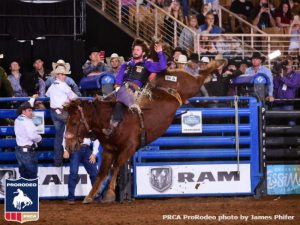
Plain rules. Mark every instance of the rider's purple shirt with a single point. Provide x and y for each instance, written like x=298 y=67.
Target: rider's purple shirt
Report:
x=152 y=67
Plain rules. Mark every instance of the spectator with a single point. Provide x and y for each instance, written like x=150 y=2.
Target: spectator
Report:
x=181 y=62
x=286 y=85
x=125 y=6
x=294 y=30
x=262 y=16
x=6 y=89
x=218 y=85
x=169 y=24
x=256 y=68
x=201 y=16
x=283 y=15
x=203 y=63
x=40 y=70
x=114 y=62
x=242 y=67
x=14 y=79
x=88 y=158
x=243 y=9
x=96 y=64
x=193 y=68
x=209 y=26
x=27 y=139
x=176 y=53
x=206 y=46
x=60 y=93
x=32 y=84
x=214 y=5
x=185 y=10
x=186 y=39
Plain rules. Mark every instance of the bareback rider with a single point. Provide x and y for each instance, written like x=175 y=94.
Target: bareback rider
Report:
x=132 y=76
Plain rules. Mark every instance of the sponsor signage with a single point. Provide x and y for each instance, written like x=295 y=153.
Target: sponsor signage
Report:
x=39 y=121
x=192 y=179
x=191 y=122
x=21 y=200
x=283 y=179
x=53 y=181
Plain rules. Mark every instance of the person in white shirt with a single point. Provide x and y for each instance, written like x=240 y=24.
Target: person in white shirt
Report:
x=27 y=139
x=60 y=94
x=88 y=158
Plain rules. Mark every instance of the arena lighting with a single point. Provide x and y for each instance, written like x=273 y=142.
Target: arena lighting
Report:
x=274 y=54
x=41 y=1
x=1 y=56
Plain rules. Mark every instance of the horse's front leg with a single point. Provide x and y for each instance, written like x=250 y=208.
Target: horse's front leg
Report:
x=126 y=153
x=103 y=171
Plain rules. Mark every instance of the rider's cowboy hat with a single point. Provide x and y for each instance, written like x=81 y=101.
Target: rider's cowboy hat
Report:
x=114 y=56
x=219 y=57
x=61 y=67
x=182 y=59
x=23 y=106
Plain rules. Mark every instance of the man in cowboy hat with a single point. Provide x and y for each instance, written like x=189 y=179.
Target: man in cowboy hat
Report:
x=219 y=82
x=257 y=59
x=60 y=93
x=132 y=76
x=95 y=65
x=69 y=81
x=181 y=62
x=27 y=139
x=114 y=62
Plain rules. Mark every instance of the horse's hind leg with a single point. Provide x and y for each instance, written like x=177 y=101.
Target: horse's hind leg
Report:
x=105 y=166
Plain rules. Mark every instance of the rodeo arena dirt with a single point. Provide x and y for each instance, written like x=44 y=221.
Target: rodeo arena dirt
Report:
x=201 y=210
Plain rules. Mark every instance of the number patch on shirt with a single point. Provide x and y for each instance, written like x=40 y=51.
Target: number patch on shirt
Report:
x=171 y=78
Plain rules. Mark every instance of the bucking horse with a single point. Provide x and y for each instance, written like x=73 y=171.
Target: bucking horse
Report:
x=161 y=98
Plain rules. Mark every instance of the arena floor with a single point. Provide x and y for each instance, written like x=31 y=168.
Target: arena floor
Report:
x=268 y=210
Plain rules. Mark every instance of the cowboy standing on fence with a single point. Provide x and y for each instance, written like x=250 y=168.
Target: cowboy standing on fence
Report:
x=132 y=76
x=27 y=139
x=60 y=93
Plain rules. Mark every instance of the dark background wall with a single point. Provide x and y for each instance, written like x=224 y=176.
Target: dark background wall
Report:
x=104 y=34
x=99 y=32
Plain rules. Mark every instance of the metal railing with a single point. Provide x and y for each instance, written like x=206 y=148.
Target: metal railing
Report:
x=149 y=20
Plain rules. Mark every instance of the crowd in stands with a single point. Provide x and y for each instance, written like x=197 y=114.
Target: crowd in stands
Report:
x=263 y=14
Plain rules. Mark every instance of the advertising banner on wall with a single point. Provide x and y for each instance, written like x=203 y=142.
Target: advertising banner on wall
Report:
x=53 y=181
x=192 y=179
x=39 y=121
x=283 y=179
x=191 y=122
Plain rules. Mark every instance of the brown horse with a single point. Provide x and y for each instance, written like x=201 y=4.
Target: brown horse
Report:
x=168 y=92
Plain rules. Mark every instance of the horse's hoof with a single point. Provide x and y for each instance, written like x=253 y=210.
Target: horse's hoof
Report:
x=87 y=200
x=109 y=197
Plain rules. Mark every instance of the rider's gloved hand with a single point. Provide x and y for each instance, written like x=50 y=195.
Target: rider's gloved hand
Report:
x=117 y=88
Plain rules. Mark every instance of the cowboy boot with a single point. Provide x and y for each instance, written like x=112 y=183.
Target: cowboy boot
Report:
x=112 y=125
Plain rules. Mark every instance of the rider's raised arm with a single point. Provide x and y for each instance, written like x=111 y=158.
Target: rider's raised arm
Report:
x=155 y=67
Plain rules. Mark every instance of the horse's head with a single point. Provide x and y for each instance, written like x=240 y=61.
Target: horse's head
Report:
x=184 y=83
x=78 y=124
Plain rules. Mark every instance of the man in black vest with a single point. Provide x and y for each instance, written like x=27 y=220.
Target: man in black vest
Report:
x=132 y=76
